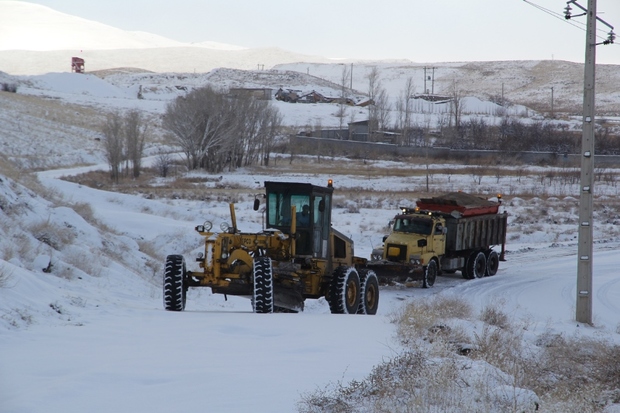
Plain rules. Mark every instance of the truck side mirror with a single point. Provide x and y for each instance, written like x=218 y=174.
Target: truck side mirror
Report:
x=422 y=243
x=256 y=204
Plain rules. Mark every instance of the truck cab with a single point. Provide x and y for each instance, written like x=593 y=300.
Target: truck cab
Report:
x=416 y=238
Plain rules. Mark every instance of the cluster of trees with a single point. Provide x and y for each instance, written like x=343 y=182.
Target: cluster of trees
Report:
x=514 y=135
x=457 y=131
x=123 y=140
x=216 y=131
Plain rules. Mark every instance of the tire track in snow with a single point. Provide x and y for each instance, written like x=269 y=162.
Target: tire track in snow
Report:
x=543 y=282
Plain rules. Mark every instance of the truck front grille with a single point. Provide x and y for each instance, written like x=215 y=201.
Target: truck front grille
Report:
x=402 y=252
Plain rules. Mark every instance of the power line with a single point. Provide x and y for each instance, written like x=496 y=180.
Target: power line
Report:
x=560 y=16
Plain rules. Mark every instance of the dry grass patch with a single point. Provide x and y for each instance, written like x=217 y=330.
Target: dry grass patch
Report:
x=5 y=276
x=52 y=234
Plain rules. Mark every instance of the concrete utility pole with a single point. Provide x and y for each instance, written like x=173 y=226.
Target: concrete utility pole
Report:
x=584 y=250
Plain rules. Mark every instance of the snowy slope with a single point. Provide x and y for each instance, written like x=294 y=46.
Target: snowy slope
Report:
x=35 y=39
x=92 y=334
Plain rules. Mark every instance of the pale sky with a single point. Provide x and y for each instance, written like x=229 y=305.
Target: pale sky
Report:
x=419 y=30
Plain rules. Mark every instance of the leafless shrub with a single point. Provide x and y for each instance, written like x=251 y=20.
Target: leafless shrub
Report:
x=163 y=164
x=492 y=315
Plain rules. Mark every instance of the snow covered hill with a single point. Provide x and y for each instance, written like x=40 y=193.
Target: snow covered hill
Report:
x=36 y=40
x=29 y=26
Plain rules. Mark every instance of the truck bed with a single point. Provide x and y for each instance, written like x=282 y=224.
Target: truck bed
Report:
x=476 y=232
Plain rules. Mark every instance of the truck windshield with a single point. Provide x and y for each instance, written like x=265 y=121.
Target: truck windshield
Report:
x=413 y=225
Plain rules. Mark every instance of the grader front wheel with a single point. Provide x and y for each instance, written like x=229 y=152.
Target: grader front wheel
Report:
x=263 y=286
x=175 y=283
x=369 y=300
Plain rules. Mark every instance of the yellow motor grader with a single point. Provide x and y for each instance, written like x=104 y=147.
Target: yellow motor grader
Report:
x=298 y=255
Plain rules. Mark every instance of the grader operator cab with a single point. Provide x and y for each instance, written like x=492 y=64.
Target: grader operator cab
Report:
x=298 y=255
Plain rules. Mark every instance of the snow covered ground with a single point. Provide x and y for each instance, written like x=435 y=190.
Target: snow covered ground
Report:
x=92 y=334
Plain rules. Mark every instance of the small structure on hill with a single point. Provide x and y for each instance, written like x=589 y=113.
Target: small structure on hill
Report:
x=77 y=65
x=288 y=95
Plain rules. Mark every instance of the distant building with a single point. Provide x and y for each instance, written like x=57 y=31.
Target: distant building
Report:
x=287 y=95
x=359 y=131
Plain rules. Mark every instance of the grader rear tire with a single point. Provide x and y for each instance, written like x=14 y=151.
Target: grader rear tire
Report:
x=344 y=291
x=369 y=287
x=175 y=283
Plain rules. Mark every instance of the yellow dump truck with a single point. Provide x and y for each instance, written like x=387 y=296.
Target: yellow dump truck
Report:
x=449 y=233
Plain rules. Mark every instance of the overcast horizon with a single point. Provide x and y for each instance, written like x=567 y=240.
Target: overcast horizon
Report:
x=444 y=31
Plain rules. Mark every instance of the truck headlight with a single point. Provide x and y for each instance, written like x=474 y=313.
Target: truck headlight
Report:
x=413 y=260
x=207 y=226
x=224 y=226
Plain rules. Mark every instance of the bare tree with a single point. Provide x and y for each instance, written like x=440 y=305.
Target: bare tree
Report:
x=456 y=105
x=270 y=128
x=345 y=78
x=404 y=109
x=113 y=143
x=384 y=109
x=215 y=130
x=374 y=86
x=135 y=132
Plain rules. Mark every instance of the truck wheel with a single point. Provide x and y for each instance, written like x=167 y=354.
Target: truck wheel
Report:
x=344 y=291
x=175 y=283
x=262 y=299
x=369 y=286
x=476 y=265
x=430 y=274
x=492 y=262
